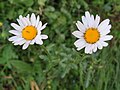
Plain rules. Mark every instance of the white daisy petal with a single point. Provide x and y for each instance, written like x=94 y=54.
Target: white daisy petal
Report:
x=28 y=21
x=20 y=23
x=95 y=48
x=39 y=41
x=32 y=42
x=44 y=36
x=26 y=45
x=39 y=25
x=81 y=47
x=91 y=48
x=24 y=22
x=22 y=42
x=37 y=21
x=80 y=26
x=87 y=14
x=15 y=32
x=17 y=40
x=20 y=16
x=92 y=21
x=33 y=19
x=88 y=18
x=18 y=43
x=88 y=49
x=28 y=16
x=15 y=26
x=78 y=34
x=13 y=38
x=106 y=30
x=22 y=19
x=79 y=42
x=106 y=38
x=44 y=26
x=84 y=22
x=99 y=45
x=97 y=21
x=104 y=43
x=103 y=24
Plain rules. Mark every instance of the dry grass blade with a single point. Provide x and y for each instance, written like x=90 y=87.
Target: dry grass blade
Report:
x=34 y=86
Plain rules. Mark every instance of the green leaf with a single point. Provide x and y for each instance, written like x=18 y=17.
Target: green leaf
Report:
x=41 y=2
x=27 y=3
x=87 y=82
x=7 y=54
x=21 y=66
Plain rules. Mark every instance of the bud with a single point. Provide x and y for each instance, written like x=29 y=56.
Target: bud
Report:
x=1 y=24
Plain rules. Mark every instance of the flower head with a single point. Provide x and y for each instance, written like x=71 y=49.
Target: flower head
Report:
x=91 y=33
x=28 y=31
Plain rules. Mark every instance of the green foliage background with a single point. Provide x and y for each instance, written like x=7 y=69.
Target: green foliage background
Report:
x=61 y=67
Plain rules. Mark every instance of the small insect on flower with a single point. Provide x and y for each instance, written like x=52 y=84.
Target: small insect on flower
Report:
x=28 y=32
x=91 y=34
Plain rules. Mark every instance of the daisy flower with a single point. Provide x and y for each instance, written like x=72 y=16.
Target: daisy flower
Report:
x=92 y=34
x=27 y=31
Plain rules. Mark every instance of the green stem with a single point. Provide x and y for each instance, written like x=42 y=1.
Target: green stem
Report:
x=46 y=51
x=5 y=66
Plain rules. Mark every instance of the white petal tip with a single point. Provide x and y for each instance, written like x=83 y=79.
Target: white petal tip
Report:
x=23 y=48
x=111 y=36
x=87 y=12
x=46 y=23
x=73 y=33
x=11 y=24
x=20 y=16
x=9 y=39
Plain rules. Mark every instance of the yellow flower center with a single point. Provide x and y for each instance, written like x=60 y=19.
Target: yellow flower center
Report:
x=91 y=35
x=29 y=32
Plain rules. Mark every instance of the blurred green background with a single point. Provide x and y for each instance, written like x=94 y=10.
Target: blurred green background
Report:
x=61 y=67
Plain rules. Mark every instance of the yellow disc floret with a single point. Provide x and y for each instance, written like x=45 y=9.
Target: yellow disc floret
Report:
x=29 y=32
x=92 y=35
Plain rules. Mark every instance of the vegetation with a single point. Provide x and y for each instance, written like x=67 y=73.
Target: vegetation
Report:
x=57 y=65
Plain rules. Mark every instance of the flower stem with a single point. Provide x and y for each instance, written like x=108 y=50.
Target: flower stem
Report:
x=46 y=51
